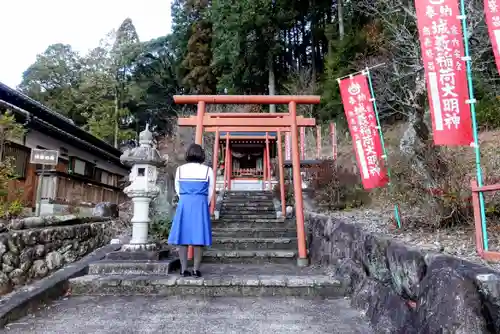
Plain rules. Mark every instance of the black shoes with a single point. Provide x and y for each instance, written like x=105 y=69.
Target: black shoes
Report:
x=186 y=273
x=195 y=273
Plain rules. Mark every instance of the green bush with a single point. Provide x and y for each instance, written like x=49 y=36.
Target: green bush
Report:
x=160 y=228
x=335 y=187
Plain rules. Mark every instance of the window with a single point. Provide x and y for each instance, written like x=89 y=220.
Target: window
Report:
x=105 y=177
x=78 y=166
x=89 y=170
x=63 y=152
x=20 y=156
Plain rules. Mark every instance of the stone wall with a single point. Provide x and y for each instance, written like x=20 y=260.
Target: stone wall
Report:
x=403 y=289
x=32 y=248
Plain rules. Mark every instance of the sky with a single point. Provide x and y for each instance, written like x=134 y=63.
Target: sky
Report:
x=27 y=27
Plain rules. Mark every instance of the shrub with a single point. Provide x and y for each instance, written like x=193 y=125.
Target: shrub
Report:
x=289 y=193
x=336 y=186
x=10 y=202
x=160 y=228
x=442 y=198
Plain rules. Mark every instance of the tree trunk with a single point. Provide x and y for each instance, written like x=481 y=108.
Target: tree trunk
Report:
x=340 y=12
x=272 y=82
x=313 y=42
x=115 y=120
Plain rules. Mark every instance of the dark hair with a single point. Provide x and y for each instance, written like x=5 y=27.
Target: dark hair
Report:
x=195 y=153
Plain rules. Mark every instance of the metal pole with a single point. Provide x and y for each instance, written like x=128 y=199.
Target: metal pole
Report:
x=472 y=102
x=39 y=193
x=362 y=71
x=382 y=142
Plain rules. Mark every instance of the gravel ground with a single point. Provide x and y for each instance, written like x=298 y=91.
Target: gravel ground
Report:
x=458 y=241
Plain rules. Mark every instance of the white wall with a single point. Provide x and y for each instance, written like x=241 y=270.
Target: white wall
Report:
x=35 y=138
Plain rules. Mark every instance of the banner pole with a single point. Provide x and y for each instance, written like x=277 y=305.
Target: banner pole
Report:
x=472 y=103
x=381 y=135
x=354 y=73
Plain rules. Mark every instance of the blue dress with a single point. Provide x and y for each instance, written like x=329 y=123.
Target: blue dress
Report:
x=191 y=224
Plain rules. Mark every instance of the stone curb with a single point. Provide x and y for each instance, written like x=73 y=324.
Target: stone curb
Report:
x=316 y=286
x=53 y=221
x=20 y=302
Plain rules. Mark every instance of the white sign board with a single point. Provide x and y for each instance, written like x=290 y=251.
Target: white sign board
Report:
x=44 y=157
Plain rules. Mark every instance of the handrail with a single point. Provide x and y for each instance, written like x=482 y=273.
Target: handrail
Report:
x=476 y=190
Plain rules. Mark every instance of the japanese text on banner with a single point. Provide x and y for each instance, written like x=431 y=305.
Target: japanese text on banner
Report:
x=288 y=147
x=492 y=14
x=442 y=48
x=302 y=143
x=360 y=115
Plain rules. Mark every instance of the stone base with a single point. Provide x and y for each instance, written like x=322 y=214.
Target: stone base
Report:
x=302 y=262
x=139 y=247
x=144 y=252
x=140 y=267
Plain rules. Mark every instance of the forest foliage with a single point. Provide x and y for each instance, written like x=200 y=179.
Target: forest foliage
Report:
x=264 y=47
x=249 y=47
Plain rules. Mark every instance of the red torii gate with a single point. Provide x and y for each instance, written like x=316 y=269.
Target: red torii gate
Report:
x=258 y=122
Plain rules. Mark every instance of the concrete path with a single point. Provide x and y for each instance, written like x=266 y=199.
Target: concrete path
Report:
x=142 y=314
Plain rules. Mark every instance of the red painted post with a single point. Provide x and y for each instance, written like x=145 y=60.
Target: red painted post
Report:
x=215 y=164
x=318 y=142
x=268 y=160
x=282 y=175
x=264 y=169
x=297 y=186
x=226 y=162
x=198 y=140
x=230 y=169
x=477 y=218
x=199 y=123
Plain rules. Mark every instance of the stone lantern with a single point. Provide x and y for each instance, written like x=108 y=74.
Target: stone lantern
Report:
x=144 y=162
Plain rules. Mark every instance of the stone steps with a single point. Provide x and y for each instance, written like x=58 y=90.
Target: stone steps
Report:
x=214 y=255
x=248 y=198
x=247 y=205
x=247 y=216
x=249 y=232
x=221 y=224
x=218 y=280
x=232 y=243
x=247 y=210
x=247 y=201
x=128 y=267
x=251 y=220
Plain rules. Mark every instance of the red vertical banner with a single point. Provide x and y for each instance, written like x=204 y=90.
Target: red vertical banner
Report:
x=442 y=46
x=288 y=151
x=318 y=142
x=333 y=135
x=302 y=143
x=360 y=115
x=492 y=14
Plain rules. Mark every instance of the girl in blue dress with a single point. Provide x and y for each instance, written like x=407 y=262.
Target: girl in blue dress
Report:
x=194 y=184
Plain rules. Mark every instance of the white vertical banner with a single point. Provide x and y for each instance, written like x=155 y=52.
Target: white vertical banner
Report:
x=302 y=143
x=288 y=153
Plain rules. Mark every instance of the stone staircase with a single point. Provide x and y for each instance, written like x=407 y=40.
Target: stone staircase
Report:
x=248 y=231
x=253 y=254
